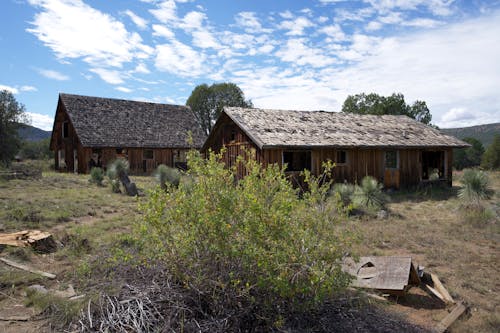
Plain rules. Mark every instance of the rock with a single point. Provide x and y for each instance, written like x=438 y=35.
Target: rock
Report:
x=38 y=288
x=382 y=214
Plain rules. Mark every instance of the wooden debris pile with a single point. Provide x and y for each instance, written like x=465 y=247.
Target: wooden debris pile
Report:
x=40 y=241
x=395 y=276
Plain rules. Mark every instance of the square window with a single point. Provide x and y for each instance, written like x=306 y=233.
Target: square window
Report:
x=148 y=154
x=391 y=159
x=341 y=157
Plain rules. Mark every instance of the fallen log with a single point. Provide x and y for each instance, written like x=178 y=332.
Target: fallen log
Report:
x=39 y=240
x=27 y=268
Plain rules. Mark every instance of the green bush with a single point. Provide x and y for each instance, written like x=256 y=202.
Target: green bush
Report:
x=475 y=187
x=254 y=239
x=165 y=175
x=491 y=157
x=96 y=176
x=369 y=194
x=118 y=166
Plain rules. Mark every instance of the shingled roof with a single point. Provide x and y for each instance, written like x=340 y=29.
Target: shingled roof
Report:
x=108 y=122
x=301 y=129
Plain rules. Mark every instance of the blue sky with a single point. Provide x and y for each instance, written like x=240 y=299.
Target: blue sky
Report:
x=305 y=55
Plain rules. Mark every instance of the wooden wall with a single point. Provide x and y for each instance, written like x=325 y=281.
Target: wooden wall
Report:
x=360 y=162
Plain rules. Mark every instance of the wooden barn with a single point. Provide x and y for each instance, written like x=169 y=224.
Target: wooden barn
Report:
x=93 y=131
x=397 y=150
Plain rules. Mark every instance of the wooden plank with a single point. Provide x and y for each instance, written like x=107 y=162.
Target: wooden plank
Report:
x=447 y=321
x=27 y=268
x=441 y=289
x=434 y=292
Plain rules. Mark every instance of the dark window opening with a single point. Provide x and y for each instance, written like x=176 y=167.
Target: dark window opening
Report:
x=65 y=129
x=391 y=159
x=433 y=165
x=148 y=154
x=341 y=157
x=232 y=136
x=297 y=160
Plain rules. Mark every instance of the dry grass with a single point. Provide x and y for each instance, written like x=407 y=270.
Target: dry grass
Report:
x=459 y=245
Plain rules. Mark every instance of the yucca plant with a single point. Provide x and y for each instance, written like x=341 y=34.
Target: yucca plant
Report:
x=475 y=187
x=113 y=179
x=96 y=176
x=344 y=192
x=165 y=174
x=370 y=194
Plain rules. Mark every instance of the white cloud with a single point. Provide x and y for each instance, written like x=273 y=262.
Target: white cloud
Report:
x=41 y=121
x=51 y=74
x=462 y=117
x=437 y=7
x=250 y=23
x=297 y=52
x=334 y=31
x=72 y=29
x=322 y=19
x=162 y=31
x=138 y=21
x=296 y=27
x=165 y=11
x=28 y=88
x=422 y=23
x=179 y=59
x=9 y=88
x=109 y=76
x=141 y=68
x=373 y=25
x=286 y=14
x=124 y=89
x=204 y=39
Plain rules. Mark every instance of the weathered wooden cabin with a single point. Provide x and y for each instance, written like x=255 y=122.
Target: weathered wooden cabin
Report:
x=397 y=150
x=93 y=131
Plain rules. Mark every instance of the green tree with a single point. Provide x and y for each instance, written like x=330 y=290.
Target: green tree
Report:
x=468 y=157
x=12 y=114
x=491 y=157
x=36 y=150
x=392 y=105
x=207 y=102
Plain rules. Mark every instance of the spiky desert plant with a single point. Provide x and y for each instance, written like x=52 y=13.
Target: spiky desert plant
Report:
x=475 y=187
x=344 y=192
x=96 y=176
x=165 y=174
x=370 y=194
x=113 y=179
x=119 y=166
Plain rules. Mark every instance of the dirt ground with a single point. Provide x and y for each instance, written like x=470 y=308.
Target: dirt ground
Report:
x=430 y=226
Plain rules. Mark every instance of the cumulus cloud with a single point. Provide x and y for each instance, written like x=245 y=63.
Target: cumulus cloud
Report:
x=28 y=88
x=162 y=31
x=52 y=74
x=13 y=90
x=180 y=59
x=124 y=89
x=296 y=27
x=109 y=76
x=297 y=52
x=138 y=21
x=73 y=29
x=165 y=11
x=41 y=121
x=250 y=23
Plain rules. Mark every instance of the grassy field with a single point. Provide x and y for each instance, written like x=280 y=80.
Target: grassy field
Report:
x=461 y=248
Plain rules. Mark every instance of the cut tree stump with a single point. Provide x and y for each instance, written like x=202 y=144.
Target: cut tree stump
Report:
x=40 y=241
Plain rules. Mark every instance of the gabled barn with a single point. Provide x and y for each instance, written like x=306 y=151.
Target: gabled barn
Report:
x=93 y=131
x=397 y=150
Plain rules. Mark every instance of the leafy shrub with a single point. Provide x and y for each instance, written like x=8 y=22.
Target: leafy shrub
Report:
x=491 y=157
x=165 y=175
x=475 y=187
x=254 y=240
x=369 y=194
x=96 y=176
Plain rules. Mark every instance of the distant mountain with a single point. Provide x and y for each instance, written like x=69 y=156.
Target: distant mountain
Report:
x=483 y=133
x=30 y=133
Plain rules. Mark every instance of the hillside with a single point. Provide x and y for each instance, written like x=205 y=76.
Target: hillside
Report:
x=483 y=133
x=30 y=133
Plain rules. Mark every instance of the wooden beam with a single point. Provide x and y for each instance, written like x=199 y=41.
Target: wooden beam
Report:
x=442 y=290
x=27 y=268
x=447 y=321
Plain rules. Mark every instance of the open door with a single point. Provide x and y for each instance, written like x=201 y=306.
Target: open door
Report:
x=433 y=165
x=391 y=169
